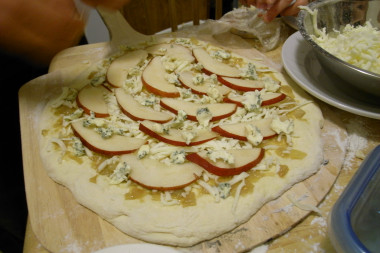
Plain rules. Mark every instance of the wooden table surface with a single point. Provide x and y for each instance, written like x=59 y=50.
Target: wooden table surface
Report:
x=310 y=234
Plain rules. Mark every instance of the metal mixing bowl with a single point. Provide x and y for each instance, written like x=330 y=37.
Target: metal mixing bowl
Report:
x=334 y=14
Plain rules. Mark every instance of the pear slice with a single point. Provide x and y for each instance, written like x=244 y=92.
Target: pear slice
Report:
x=175 y=136
x=175 y=51
x=115 y=145
x=186 y=79
x=212 y=66
x=218 y=110
x=155 y=175
x=118 y=70
x=241 y=84
x=244 y=159
x=136 y=111
x=153 y=78
x=238 y=130
x=91 y=99
x=268 y=98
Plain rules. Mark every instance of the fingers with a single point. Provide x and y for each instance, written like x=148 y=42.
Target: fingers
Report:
x=294 y=9
x=284 y=8
x=265 y=4
x=276 y=7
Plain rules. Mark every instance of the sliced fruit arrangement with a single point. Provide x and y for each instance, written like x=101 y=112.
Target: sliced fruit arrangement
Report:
x=186 y=78
x=119 y=69
x=176 y=137
x=238 y=130
x=164 y=128
x=153 y=78
x=156 y=175
x=218 y=110
x=241 y=84
x=268 y=98
x=136 y=111
x=91 y=99
x=213 y=66
x=172 y=51
x=244 y=159
x=114 y=145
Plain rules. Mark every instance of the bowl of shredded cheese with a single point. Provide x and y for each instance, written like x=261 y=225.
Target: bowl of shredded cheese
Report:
x=345 y=35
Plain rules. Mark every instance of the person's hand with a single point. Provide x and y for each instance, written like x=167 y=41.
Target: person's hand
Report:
x=283 y=8
x=276 y=7
x=37 y=30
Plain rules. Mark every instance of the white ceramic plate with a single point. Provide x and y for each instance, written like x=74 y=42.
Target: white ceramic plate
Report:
x=304 y=68
x=137 y=248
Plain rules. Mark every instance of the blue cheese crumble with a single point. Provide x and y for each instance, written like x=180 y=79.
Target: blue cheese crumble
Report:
x=224 y=190
x=120 y=173
x=161 y=129
x=201 y=78
x=198 y=79
x=78 y=147
x=183 y=41
x=270 y=84
x=249 y=72
x=197 y=66
x=188 y=136
x=150 y=101
x=283 y=127
x=178 y=157
x=143 y=151
x=93 y=121
x=132 y=84
x=221 y=155
x=104 y=132
x=204 y=116
x=253 y=134
x=99 y=78
x=252 y=101
x=173 y=79
x=179 y=120
x=214 y=93
x=221 y=55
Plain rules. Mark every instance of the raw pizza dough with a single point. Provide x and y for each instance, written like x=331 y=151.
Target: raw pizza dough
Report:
x=155 y=216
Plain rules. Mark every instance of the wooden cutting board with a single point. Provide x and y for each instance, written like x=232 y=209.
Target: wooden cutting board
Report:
x=62 y=225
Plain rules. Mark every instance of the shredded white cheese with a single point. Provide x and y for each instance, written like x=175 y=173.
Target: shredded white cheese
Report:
x=167 y=200
x=107 y=162
x=237 y=194
x=213 y=191
x=357 y=45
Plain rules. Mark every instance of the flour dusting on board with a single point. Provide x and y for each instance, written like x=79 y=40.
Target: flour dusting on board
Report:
x=73 y=245
x=341 y=142
x=260 y=249
x=53 y=215
x=239 y=245
x=320 y=221
x=357 y=141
